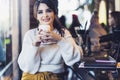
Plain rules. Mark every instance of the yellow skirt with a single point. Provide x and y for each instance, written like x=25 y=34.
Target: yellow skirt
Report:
x=42 y=76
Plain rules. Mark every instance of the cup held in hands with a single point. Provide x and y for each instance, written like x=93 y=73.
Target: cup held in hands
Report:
x=44 y=28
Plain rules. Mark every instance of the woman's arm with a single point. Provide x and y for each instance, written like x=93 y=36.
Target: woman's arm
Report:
x=29 y=58
x=72 y=53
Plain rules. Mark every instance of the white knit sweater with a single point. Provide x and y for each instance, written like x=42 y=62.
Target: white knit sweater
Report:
x=48 y=57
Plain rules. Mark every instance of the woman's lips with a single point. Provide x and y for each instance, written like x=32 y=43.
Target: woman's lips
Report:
x=46 y=20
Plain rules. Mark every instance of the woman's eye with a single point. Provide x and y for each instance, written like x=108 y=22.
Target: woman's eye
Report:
x=40 y=12
x=49 y=10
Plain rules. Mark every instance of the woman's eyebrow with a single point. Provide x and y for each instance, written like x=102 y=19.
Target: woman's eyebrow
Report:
x=39 y=10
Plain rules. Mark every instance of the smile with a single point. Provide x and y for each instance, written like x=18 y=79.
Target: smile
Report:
x=46 y=20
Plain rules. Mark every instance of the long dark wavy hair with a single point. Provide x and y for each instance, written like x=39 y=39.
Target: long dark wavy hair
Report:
x=50 y=3
x=116 y=16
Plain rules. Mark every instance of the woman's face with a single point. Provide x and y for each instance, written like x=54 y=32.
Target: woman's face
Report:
x=45 y=15
x=111 y=21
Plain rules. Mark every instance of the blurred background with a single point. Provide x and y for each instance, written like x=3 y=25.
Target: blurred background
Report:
x=16 y=17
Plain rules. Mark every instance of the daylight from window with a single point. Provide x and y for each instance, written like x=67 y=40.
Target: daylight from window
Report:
x=4 y=14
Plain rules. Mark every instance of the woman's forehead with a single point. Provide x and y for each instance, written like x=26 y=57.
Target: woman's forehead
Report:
x=42 y=6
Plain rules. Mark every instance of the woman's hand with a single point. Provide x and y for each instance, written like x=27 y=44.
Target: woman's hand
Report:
x=46 y=37
x=55 y=36
x=37 y=40
x=50 y=36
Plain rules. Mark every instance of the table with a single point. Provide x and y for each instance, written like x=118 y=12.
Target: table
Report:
x=83 y=67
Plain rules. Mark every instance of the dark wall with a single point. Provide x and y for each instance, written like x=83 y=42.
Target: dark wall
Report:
x=33 y=21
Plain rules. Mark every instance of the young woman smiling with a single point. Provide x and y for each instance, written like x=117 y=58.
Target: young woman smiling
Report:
x=44 y=51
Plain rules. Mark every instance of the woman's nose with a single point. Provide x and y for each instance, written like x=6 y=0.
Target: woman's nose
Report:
x=45 y=14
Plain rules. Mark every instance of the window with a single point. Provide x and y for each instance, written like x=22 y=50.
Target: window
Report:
x=5 y=31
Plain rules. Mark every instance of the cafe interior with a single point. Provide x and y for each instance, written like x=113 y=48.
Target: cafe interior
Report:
x=101 y=58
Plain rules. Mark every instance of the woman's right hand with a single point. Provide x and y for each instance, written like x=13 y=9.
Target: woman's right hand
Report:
x=37 y=40
x=41 y=37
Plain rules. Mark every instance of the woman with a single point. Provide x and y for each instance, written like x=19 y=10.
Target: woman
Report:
x=114 y=21
x=44 y=52
x=114 y=35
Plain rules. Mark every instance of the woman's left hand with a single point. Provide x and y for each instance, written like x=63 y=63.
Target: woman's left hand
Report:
x=51 y=36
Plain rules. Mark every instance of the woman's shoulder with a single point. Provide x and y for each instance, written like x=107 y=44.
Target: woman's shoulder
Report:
x=31 y=32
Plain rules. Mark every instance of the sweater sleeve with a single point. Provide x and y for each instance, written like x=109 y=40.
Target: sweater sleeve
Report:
x=29 y=58
x=71 y=52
